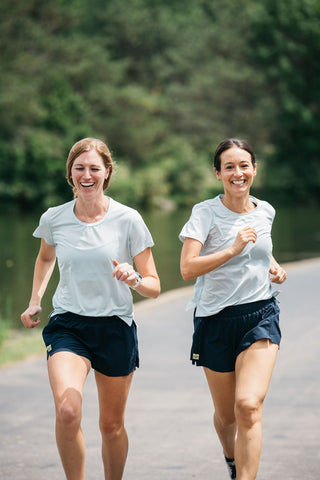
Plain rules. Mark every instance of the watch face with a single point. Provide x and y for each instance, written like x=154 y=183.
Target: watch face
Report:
x=139 y=280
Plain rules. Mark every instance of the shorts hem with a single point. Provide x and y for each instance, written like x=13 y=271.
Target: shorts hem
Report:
x=66 y=349
x=118 y=374
x=248 y=344
x=220 y=370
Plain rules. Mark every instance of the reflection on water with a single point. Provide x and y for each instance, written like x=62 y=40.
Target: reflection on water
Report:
x=296 y=236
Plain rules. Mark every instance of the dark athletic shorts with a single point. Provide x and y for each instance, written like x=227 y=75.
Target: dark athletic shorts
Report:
x=108 y=342
x=218 y=339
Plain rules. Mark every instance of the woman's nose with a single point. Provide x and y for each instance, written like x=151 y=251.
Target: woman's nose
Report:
x=87 y=173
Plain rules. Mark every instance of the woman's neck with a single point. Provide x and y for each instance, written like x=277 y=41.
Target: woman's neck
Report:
x=91 y=211
x=238 y=204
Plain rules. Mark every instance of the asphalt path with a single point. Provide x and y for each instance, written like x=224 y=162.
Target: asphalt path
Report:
x=169 y=413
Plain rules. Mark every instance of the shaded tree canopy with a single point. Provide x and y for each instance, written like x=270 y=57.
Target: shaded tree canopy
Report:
x=286 y=46
x=162 y=83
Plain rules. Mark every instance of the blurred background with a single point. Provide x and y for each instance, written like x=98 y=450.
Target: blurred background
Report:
x=162 y=82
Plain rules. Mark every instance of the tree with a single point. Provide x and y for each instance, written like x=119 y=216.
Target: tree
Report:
x=162 y=84
x=285 y=44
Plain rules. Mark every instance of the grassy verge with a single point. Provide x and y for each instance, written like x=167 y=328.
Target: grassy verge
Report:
x=18 y=345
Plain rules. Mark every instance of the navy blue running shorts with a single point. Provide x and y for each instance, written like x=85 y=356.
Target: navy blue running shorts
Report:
x=218 y=339
x=108 y=342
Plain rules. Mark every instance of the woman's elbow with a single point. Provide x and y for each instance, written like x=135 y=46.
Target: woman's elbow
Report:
x=156 y=290
x=186 y=273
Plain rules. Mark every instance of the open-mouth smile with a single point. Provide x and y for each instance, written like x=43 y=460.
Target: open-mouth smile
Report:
x=238 y=182
x=86 y=185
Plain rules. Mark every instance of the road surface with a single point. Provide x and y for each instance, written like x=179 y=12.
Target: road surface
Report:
x=169 y=414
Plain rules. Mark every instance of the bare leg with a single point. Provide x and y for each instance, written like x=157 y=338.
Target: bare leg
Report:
x=113 y=394
x=222 y=388
x=67 y=374
x=254 y=368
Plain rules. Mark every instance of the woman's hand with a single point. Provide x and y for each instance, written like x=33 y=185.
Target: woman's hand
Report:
x=125 y=273
x=244 y=236
x=279 y=274
x=150 y=284
x=193 y=265
x=27 y=315
x=43 y=270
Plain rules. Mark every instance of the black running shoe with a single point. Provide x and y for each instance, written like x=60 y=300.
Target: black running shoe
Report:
x=231 y=467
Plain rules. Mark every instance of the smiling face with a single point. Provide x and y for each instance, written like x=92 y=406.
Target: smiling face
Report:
x=97 y=155
x=89 y=173
x=236 y=172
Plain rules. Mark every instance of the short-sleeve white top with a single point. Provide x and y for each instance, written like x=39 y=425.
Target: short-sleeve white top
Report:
x=244 y=278
x=85 y=254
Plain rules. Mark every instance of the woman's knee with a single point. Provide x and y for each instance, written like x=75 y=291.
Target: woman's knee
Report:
x=68 y=411
x=248 y=410
x=111 y=429
x=224 y=419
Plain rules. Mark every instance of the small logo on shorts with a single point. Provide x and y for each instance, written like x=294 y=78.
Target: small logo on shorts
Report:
x=195 y=356
x=49 y=348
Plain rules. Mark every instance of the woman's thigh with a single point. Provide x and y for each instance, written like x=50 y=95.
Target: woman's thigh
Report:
x=222 y=389
x=254 y=367
x=67 y=374
x=113 y=394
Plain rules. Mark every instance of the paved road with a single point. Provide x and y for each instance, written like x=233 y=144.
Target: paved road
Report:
x=169 y=411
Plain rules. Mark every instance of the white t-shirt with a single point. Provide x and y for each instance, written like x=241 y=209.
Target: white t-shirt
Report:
x=85 y=252
x=244 y=278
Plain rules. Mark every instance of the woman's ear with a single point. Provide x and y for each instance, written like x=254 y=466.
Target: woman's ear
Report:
x=107 y=173
x=255 y=170
x=218 y=174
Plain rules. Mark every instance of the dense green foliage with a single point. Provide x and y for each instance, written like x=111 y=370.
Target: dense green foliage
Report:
x=286 y=44
x=162 y=82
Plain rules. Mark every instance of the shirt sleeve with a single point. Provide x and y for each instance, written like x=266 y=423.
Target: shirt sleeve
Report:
x=139 y=236
x=198 y=225
x=44 y=230
x=270 y=211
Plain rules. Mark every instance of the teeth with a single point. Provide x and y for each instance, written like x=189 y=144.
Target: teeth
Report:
x=240 y=182
x=87 y=184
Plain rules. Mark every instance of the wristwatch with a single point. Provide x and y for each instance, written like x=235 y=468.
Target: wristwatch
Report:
x=138 y=281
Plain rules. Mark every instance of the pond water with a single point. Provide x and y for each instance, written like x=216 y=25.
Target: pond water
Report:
x=296 y=236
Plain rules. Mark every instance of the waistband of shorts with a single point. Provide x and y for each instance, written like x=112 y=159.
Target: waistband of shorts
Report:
x=245 y=308
x=84 y=319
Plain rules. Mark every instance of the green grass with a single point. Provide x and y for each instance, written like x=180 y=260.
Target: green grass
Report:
x=17 y=345
x=4 y=331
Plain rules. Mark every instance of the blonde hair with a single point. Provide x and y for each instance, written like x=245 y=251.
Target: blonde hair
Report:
x=85 y=145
